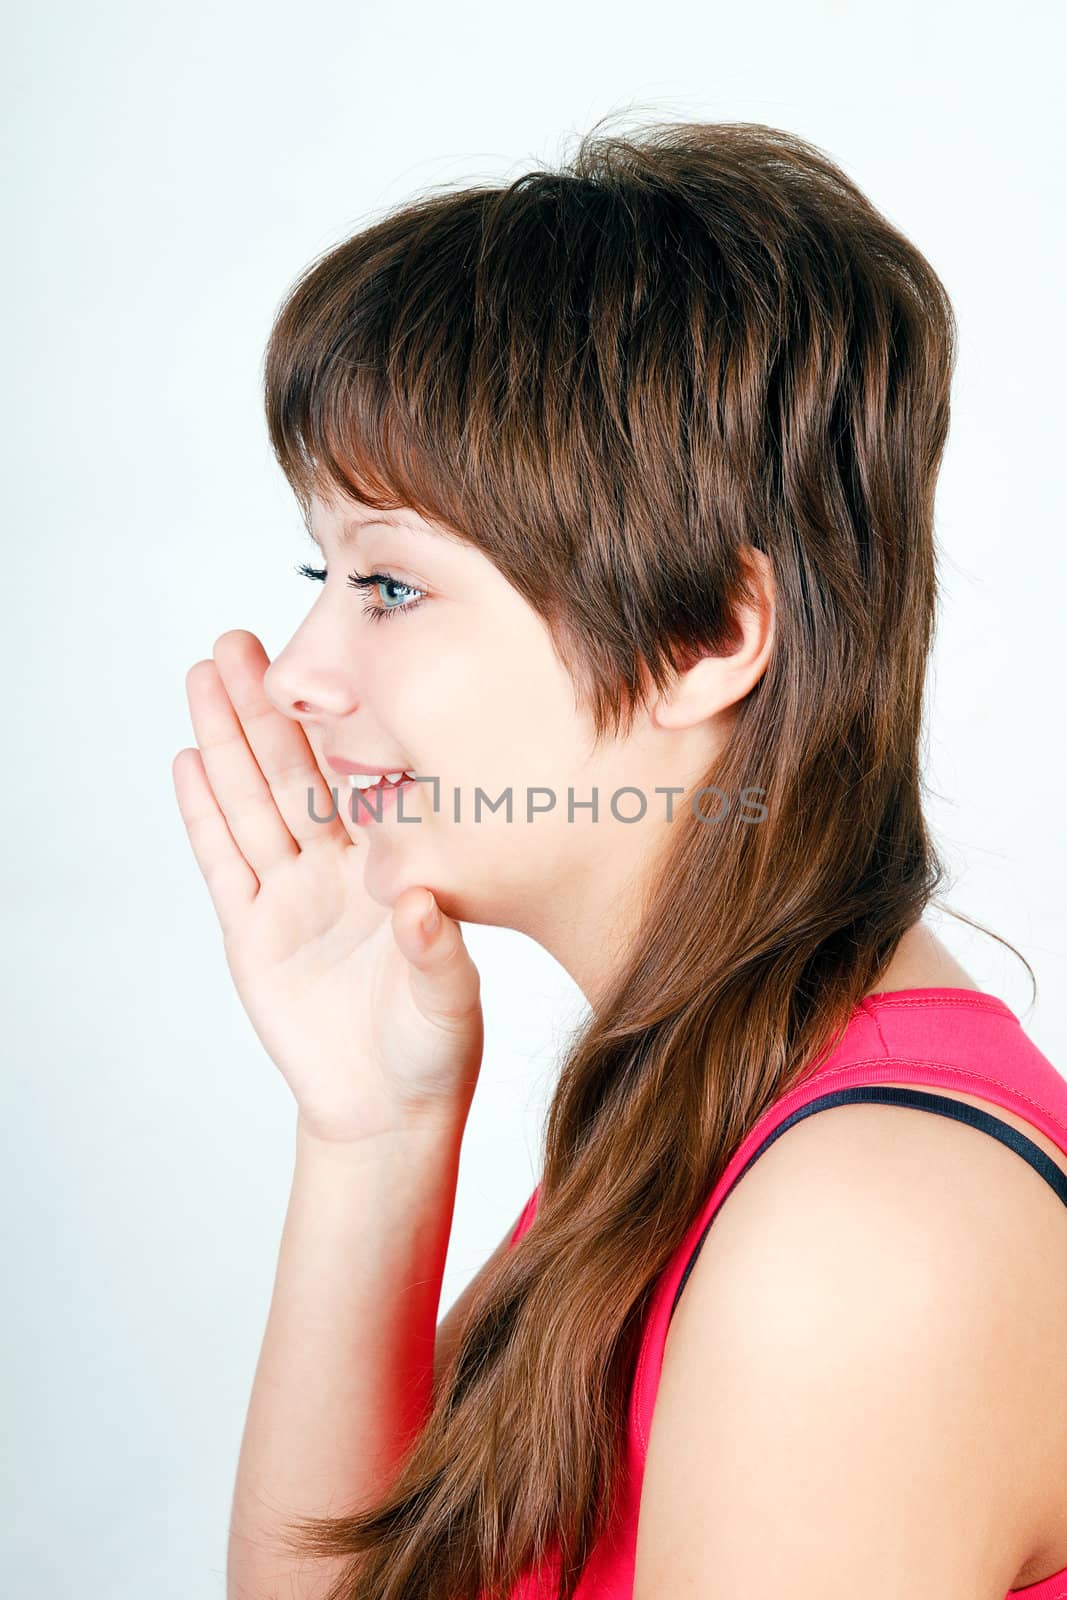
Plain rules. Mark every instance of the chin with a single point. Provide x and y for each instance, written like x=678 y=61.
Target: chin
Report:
x=386 y=874
x=381 y=881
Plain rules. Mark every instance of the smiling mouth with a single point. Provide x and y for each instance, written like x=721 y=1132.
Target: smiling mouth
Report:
x=388 y=780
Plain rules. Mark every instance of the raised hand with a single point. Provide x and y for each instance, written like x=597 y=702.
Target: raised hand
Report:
x=375 y=1024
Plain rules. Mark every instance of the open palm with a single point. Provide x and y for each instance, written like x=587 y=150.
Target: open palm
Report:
x=372 y=1023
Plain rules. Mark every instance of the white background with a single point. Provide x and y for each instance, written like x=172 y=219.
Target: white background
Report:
x=169 y=171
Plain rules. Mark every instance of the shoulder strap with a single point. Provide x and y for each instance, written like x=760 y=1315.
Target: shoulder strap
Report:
x=921 y=1100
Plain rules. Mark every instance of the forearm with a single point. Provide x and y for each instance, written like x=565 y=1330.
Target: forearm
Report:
x=345 y=1373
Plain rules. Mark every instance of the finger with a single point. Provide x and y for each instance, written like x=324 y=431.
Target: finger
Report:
x=231 y=882
x=303 y=798
x=444 y=980
x=238 y=785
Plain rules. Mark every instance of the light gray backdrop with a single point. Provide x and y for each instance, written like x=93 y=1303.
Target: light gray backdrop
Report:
x=169 y=171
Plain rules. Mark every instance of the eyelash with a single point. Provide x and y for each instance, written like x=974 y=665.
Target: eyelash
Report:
x=368 y=581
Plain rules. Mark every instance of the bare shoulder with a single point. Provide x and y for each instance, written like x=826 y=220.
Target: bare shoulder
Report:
x=861 y=1388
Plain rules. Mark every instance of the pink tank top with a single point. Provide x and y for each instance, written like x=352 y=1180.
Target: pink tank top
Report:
x=958 y=1039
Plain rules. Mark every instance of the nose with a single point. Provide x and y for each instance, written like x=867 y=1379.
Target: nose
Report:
x=305 y=685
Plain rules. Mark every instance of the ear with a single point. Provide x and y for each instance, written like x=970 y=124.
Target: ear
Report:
x=713 y=683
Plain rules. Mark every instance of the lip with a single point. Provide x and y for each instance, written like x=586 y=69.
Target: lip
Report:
x=337 y=765
x=363 y=813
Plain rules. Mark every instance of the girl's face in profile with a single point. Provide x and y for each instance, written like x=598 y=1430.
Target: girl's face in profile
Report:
x=441 y=668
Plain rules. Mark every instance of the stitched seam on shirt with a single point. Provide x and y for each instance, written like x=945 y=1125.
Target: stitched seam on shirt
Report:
x=976 y=1004
x=834 y=1072
x=872 y=1012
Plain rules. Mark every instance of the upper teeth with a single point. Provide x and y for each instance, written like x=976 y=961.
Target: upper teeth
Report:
x=366 y=780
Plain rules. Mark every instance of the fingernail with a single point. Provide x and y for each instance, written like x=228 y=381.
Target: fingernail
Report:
x=430 y=918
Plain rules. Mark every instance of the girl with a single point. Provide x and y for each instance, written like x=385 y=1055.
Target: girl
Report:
x=637 y=461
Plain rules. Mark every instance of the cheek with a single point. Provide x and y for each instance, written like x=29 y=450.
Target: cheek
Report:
x=431 y=710
x=497 y=711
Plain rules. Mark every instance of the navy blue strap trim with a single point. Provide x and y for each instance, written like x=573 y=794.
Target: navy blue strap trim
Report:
x=890 y=1095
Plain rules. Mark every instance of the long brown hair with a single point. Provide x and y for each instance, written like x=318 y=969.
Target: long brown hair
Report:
x=612 y=378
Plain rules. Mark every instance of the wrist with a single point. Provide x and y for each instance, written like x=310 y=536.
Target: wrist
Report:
x=439 y=1134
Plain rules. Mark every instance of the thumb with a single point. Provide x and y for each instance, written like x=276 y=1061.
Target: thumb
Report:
x=444 y=980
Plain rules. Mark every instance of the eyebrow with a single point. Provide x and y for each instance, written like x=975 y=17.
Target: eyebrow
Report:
x=351 y=530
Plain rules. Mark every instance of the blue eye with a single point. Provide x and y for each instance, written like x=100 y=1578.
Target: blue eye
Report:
x=367 y=581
